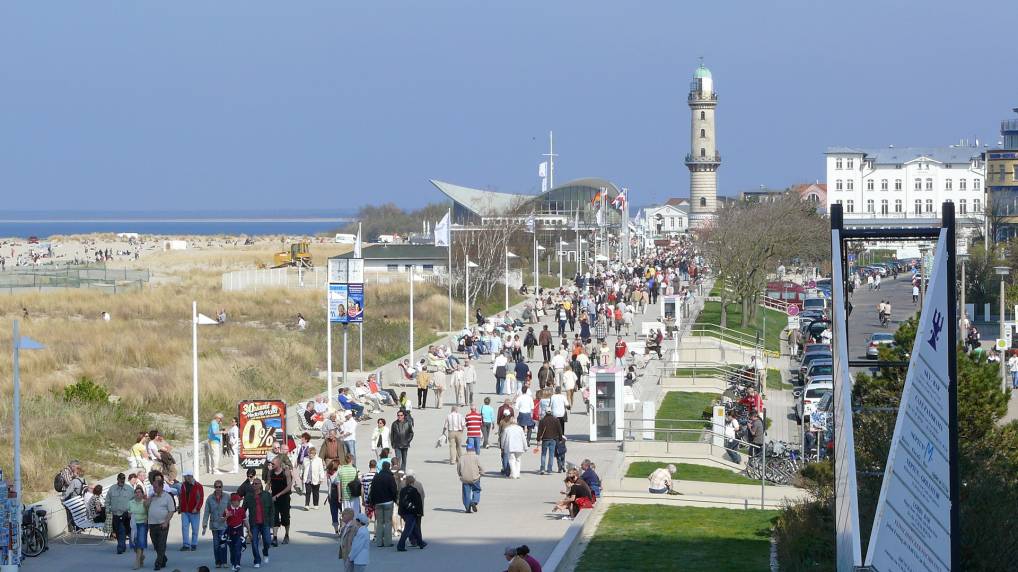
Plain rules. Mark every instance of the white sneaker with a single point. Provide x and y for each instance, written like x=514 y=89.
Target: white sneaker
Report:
x=265 y=559
x=257 y=565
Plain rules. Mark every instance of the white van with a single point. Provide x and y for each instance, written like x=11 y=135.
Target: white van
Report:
x=814 y=304
x=346 y=239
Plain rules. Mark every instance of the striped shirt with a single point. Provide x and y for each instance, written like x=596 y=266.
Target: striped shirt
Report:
x=345 y=475
x=366 y=479
x=474 y=421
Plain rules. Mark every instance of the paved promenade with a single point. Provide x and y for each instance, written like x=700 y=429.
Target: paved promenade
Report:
x=511 y=512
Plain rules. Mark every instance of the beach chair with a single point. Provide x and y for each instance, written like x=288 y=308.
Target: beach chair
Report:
x=83 y=530
x=301 y=421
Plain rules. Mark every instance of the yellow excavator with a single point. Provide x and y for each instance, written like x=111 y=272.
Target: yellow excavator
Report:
x=299 y=255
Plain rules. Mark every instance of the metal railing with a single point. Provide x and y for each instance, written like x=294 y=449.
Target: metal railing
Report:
x=726 y=335
x=633 y=430
x=713 y=370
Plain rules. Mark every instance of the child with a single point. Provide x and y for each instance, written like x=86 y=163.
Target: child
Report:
x=236 y=524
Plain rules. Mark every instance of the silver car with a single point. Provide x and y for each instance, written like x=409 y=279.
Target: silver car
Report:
x=876 y=340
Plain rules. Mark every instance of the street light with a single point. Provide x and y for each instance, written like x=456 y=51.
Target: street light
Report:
x=923 y=249
x=196 y=320
x=961 y=323
x=20 y=343
x=1002 y=271
x=466 y=300
x=537 y=247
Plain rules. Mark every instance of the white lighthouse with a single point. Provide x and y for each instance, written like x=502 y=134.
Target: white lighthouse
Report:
x=703 y=159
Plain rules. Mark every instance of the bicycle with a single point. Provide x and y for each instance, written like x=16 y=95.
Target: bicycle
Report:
x=34 y=532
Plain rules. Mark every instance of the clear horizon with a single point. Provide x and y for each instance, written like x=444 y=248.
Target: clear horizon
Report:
x=333 y=106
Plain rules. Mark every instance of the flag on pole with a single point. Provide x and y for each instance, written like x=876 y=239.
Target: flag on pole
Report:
x=619 y=201
x=596 y=199
x=442 y=231
x=600 y=217
x=203 y=320
x=542 y=171
x=576 y=222
x=357 y=245
x=531 y=223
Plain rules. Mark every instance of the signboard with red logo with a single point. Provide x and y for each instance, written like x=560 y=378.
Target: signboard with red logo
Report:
x=262 y=423
x=792 y=310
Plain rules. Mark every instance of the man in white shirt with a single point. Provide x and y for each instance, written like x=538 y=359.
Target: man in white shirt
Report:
x=1012 y=366
x=558 y=407
x=469 y=379
x=500 y=362
x=661 y=480
x=455 y=429
x=558 y=361
x=348 y=433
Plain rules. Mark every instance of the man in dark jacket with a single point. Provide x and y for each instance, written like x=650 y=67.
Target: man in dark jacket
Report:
x=401 y=433
x=549 y=431
x=544 y=338
x=545 y=374
x=411 y=508
x=382 y=495
x=261 y=513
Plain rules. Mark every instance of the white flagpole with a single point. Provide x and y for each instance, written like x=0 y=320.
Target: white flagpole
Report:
x=559 y=252
x=411 y=315
x=328 y=345
x=466 y=296
x=448 y=235
x=194 y=386
x=507 y=278
x=535 y=259
x=15 y=552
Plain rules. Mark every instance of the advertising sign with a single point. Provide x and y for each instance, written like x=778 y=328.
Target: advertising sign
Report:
x=338 y=294
x=355 y=271
x=339 y=270
x=912 y=527
x=355 y=304
x=262 y=423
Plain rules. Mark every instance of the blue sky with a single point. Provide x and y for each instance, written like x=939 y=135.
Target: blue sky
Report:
x=334 y=104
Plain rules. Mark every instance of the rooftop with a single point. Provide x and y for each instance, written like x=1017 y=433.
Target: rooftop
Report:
x=400 y=252
x=896 y=155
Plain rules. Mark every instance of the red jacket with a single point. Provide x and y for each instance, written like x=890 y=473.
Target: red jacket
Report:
x=620 y=349
x=191 y=501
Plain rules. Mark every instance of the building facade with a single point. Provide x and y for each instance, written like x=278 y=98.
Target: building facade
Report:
x=906 y=183
x=703 y=159
x=664 y=221
x=425 y=259
x=1002 y=180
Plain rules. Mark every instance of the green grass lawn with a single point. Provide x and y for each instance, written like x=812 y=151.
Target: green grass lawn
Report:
x=686 y=406
x=690 y=472
x=774 y=380
x=690 y=539
x=776 y=321
x=696 y=371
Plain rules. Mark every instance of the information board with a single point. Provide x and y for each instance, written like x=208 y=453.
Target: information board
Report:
x=912 y=526
x=262 y=423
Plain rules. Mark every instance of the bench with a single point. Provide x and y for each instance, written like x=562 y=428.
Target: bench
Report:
x=83 y=526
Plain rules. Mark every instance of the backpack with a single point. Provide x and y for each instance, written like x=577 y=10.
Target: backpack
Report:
x=354 y=487
x=60 y=483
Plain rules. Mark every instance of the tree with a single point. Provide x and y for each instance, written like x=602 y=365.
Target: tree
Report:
x=389 y=218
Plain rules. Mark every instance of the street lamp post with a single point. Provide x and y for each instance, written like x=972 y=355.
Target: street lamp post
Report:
x=1002 y=271
x=466 y=298
x=507 y=256
x=922 y=275
x=961 y=323
x=19 y=343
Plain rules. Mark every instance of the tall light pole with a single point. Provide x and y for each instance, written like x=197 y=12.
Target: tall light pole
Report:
x=411 y=273
x=507 y=256
x=466 y=297
x=961 y=323
x=196 y=320
x=1002 y=271
x=922 y=275
x=537 y=279
x=19 y=343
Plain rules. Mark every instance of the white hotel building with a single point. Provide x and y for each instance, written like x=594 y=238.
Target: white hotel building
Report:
x=906 y=182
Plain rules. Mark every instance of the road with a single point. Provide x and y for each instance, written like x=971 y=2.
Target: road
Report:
x=511 y=512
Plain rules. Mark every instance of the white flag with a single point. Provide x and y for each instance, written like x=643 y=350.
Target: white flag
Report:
x=544 y=184
x=357 y=245
x=542 y=169
x=600 y=217
x=204 y=320
x=442 y=231
x=531 y=222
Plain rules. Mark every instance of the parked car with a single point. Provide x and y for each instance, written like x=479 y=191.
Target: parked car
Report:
x=876 y=340
x=809 y=359
x=818 y=367
x=812 y=394
x=815 y=303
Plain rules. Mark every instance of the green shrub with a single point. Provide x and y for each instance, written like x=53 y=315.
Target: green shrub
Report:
x=86 y=391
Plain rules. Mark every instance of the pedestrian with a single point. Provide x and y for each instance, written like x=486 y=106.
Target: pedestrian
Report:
x=233 y=444
x=915 y=293
x=347 y=530
x=469 y=379
x=190 y=499
x=456 y=385
x=138 y=507
x=544 y=338
x=382 y=495
x=470 y=471
x=530 y=342
x=620 y=353
x=215 y=443
x=423 y=384
x=261 y=513
x=455 y=430
x=281 y=485
x=348 y=433
x=516 y=563
x=549 y=431
x=500 y=369
x=380 y=437
x=215 y=518
x=359 y=556
x=118 y=501
x=524 y=405
x=524 y=553
x=474 y=421
x=514 y=444
x=411 y=508
x=236 y=524
x=590 y=476
x=487 y=420
x=160 y=512
x=401 y=434
x=312 y=474
x=349 y=483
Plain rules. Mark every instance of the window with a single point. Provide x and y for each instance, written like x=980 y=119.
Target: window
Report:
x=897 y=205
x=703 y=115
x=392 y=267
x=897 y=184
x=703 y=134
x=429 y=267
x=703 y=152
x=963 y=184
x=848 y=163
x=837 y=202
x=962 y=208
x=975 y=184
x=850 y=207
x=837 y=163
x=929 y=184
x=883 y=184
x=918 y=206
x=918 y=184
x=929 y=205
x=837 y=185
x=850 y=184
x=869 y=185
x=703 y=201
x=883 y=206
x=977 y=205
x=948 y=185
x=869 y=205
x=407 y=267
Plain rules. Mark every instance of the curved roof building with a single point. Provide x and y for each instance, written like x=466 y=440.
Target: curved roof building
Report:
x=559 y=207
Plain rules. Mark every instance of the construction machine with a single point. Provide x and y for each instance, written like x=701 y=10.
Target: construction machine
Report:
x=299 y=255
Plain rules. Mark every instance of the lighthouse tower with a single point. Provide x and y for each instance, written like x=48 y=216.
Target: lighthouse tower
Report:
x=703 y=159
